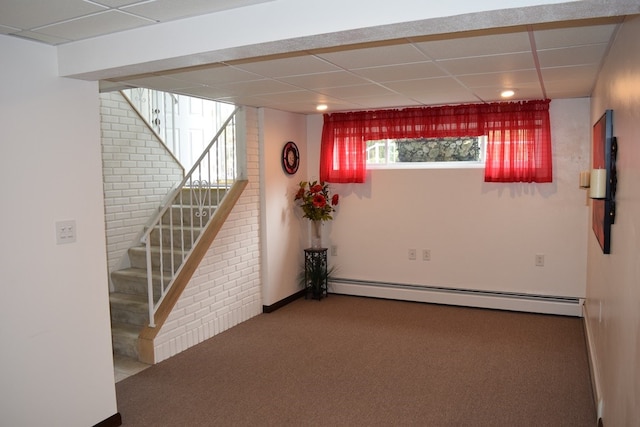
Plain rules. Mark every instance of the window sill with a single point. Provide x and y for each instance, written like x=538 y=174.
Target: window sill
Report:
x=434 y=165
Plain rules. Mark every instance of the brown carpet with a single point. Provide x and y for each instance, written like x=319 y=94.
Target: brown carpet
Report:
x=350 y=361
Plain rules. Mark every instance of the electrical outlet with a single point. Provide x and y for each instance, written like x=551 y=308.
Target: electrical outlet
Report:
x=412 y=254
x=334 y=250
x=539 y=260
x=426 y=254
x=65 y=232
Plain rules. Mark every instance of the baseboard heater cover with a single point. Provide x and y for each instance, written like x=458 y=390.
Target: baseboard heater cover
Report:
x=568 y=306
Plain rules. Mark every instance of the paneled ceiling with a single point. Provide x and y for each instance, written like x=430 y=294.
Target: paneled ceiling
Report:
x=559 y=60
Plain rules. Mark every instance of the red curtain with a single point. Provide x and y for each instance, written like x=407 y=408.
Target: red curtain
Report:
x=343 y=149
x=519 y=142
x=518 y=149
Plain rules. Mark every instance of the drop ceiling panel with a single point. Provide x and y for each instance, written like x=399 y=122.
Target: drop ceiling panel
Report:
x=419 y=70
x=257 y=87
x=287 y=66
x=116 y=3
x=310 y=108
x=219 y=74
x=375 y=56
x=509 y=79
x=440 y=84
x=40 y=37
x=324 y=80
x=36 y=13
x=588 y=54
x=348 y=92
x=524 y=91
x=290 y=97
x=385 y=101
x=549 y=38
x=94 y=25
x=162 y=83
x=579 y=73
x=488 y=64
x=214 y=93
x=167 y=10
x=442 y=98
x=472 y=46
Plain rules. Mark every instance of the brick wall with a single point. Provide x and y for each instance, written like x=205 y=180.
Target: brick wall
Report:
x=138 y=172
x=225 y=289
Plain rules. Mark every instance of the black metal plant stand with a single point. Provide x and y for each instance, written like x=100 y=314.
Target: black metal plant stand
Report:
x=316 y=279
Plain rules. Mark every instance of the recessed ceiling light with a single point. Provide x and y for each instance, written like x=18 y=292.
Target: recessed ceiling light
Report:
x=321 y=107
x=507 y=93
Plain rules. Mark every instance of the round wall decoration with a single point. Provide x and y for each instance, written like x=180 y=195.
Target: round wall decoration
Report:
x=290 y=158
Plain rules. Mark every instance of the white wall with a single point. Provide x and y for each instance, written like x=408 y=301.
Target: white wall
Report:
x=57 y=367
x=613 y=281
x=482 y=236
x=285 y=232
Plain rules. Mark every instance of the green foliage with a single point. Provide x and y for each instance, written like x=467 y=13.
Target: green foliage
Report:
x=313 y=275
x=315 y=200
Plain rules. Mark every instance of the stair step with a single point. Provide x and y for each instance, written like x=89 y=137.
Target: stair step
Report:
x=125 y=339
x=129 y=308
x=138 y=258
x=134 y=281
x=195 y=195
x=183 y=237
x=188 y=215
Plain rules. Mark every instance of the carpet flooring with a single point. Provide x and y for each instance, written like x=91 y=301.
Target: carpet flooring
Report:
x=352 y=361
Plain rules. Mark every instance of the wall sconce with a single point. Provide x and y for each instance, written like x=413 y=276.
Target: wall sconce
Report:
x=585 y=179
x=603 y=182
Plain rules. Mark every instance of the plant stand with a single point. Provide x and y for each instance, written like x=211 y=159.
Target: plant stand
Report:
x=316 y=278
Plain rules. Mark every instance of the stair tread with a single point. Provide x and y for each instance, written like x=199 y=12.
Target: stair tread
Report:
x=139 y=273
x=156 y=249
x=193 y=228
x=125 y=329
x=130 y=300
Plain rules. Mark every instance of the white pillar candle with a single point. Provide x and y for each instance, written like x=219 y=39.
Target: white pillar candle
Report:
x=598 y=184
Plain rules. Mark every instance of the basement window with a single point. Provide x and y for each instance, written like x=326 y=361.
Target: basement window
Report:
x=457 y=152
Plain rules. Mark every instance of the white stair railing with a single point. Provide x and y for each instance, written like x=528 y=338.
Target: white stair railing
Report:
x=174 y=231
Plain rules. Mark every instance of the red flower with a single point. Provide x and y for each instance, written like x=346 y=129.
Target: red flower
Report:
x=319 y=201
x=316 y=201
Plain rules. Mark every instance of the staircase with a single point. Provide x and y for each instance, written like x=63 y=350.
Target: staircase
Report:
x=180 y=227
x=174 y=243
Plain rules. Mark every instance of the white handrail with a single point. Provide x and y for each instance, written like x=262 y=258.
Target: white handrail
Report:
x=203 y=180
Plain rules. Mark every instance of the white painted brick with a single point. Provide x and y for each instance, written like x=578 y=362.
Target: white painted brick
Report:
x=120 y=161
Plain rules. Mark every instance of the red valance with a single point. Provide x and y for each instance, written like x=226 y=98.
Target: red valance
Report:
x=518 y=148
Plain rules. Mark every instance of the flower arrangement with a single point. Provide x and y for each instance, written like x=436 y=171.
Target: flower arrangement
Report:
x=315 y=200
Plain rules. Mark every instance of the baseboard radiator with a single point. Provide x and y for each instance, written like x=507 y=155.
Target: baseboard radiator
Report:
x=567 y=306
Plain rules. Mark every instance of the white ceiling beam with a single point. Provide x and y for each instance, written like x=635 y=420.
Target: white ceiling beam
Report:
x=293 y=25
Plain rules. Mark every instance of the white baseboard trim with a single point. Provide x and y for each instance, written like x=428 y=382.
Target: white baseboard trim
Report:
x=593 y=364
x=566 y=306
